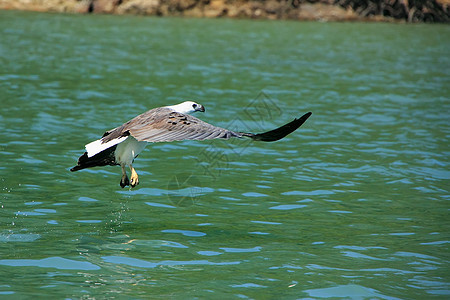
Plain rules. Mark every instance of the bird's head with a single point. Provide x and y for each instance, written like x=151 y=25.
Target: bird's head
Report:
x=187 y=107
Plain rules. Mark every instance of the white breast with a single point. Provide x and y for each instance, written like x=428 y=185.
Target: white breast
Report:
x=128 y=150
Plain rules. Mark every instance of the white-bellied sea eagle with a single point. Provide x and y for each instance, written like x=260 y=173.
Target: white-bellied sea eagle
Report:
x=121 y=145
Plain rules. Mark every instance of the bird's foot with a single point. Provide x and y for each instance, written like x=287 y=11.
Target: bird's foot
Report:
x=134 y=180
x=124 y=181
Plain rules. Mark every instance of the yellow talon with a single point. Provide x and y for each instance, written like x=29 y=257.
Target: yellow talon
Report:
x=134 y=180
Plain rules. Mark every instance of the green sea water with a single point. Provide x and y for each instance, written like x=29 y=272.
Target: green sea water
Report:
x=353 y=205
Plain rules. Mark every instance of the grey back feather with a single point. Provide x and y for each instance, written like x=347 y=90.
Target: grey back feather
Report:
x=165 y=125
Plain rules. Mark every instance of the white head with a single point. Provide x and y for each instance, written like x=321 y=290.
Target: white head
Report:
x=187 y=107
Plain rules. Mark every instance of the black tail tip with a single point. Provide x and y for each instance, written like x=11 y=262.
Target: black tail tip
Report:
x=280 y=132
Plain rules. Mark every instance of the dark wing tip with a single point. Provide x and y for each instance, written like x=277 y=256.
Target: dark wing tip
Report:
x=104 y=158
x=280 y=132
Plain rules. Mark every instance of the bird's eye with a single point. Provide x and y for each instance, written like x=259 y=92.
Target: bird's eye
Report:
x=194 y=106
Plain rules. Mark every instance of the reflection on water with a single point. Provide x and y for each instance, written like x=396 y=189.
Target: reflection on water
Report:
x=353 y=205
x=50 y=262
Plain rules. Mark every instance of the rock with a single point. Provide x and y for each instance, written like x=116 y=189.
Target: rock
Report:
x=105 y=6
x=324 y=10
x=216 y=8
x=195 y=12
x=183 y=5
x=45 y=5
x=276 y=9
x=139 y=7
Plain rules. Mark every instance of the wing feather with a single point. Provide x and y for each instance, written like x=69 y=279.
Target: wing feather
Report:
x=164 y=125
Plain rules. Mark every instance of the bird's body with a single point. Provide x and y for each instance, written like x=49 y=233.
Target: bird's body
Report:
x=128 y=150
x=121 y=145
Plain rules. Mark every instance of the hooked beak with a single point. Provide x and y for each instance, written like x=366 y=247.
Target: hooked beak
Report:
x=200 y=108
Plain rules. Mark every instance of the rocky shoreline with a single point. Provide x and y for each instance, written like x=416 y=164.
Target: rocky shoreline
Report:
x=317 y=10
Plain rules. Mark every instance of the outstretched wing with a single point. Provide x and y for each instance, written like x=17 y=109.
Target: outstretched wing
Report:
x=280 y=132
x=165 y=125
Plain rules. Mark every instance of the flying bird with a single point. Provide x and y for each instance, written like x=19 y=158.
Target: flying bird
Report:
x=121 y=145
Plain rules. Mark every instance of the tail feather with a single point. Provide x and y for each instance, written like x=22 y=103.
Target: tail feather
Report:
x=100 y=145
x=104 y=158
x=280 y=132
